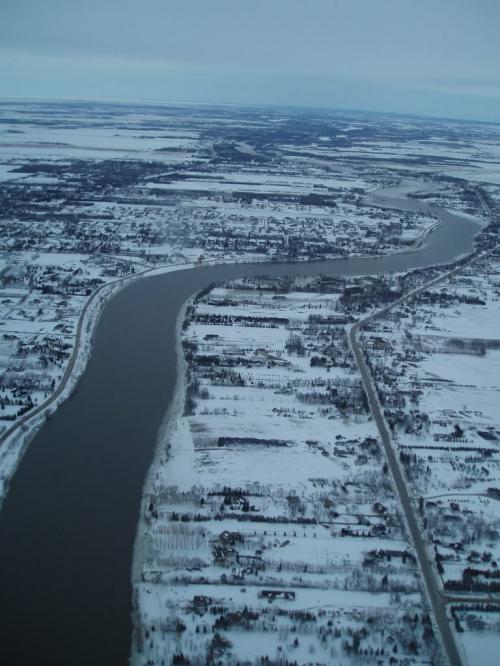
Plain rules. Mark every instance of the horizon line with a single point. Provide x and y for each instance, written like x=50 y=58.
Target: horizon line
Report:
x=261 y=105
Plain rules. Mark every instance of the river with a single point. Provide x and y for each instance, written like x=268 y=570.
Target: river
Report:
x=68 y=524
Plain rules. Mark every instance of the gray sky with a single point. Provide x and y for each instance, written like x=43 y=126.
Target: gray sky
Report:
x=435 y=57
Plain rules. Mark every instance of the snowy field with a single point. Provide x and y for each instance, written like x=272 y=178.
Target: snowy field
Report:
x=438 y=378
x=94 y=194
x=267 y=503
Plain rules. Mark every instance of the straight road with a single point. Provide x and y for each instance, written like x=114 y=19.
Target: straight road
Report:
x=438 y=607
x=436 y=600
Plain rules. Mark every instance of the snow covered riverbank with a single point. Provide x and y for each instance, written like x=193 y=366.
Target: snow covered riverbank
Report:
x=267 y=495
x=17 y=437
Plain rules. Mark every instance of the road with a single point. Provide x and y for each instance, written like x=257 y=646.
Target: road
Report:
x=18 y=424
x=23 y=420
x=436 y=600
x=35 y=411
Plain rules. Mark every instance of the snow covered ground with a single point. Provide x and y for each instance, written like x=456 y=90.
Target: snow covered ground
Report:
x=438 y=378
x=73 y=219
x=268 y=515
x=92 y=195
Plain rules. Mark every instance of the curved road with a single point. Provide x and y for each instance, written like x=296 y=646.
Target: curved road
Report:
x=76 y=347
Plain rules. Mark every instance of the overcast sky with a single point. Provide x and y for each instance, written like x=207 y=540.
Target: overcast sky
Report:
x=433 y=57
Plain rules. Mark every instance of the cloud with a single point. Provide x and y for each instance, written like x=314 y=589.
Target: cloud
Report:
x=340 y=51
x=43 y=61
x=483 y=88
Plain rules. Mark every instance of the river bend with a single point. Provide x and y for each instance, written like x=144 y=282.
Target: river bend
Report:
x=68 y=524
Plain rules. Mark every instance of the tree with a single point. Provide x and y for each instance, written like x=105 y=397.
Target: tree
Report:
x=295 y=345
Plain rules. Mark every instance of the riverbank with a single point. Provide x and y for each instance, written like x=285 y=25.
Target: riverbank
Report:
x=167 y=435
x=151 y=581
x=86 y=467
x=16 y=439
x=278 y=488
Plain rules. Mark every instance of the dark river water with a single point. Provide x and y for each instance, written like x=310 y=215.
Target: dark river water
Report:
x=68 y=525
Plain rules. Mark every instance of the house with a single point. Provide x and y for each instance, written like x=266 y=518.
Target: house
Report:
x=271 y=595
